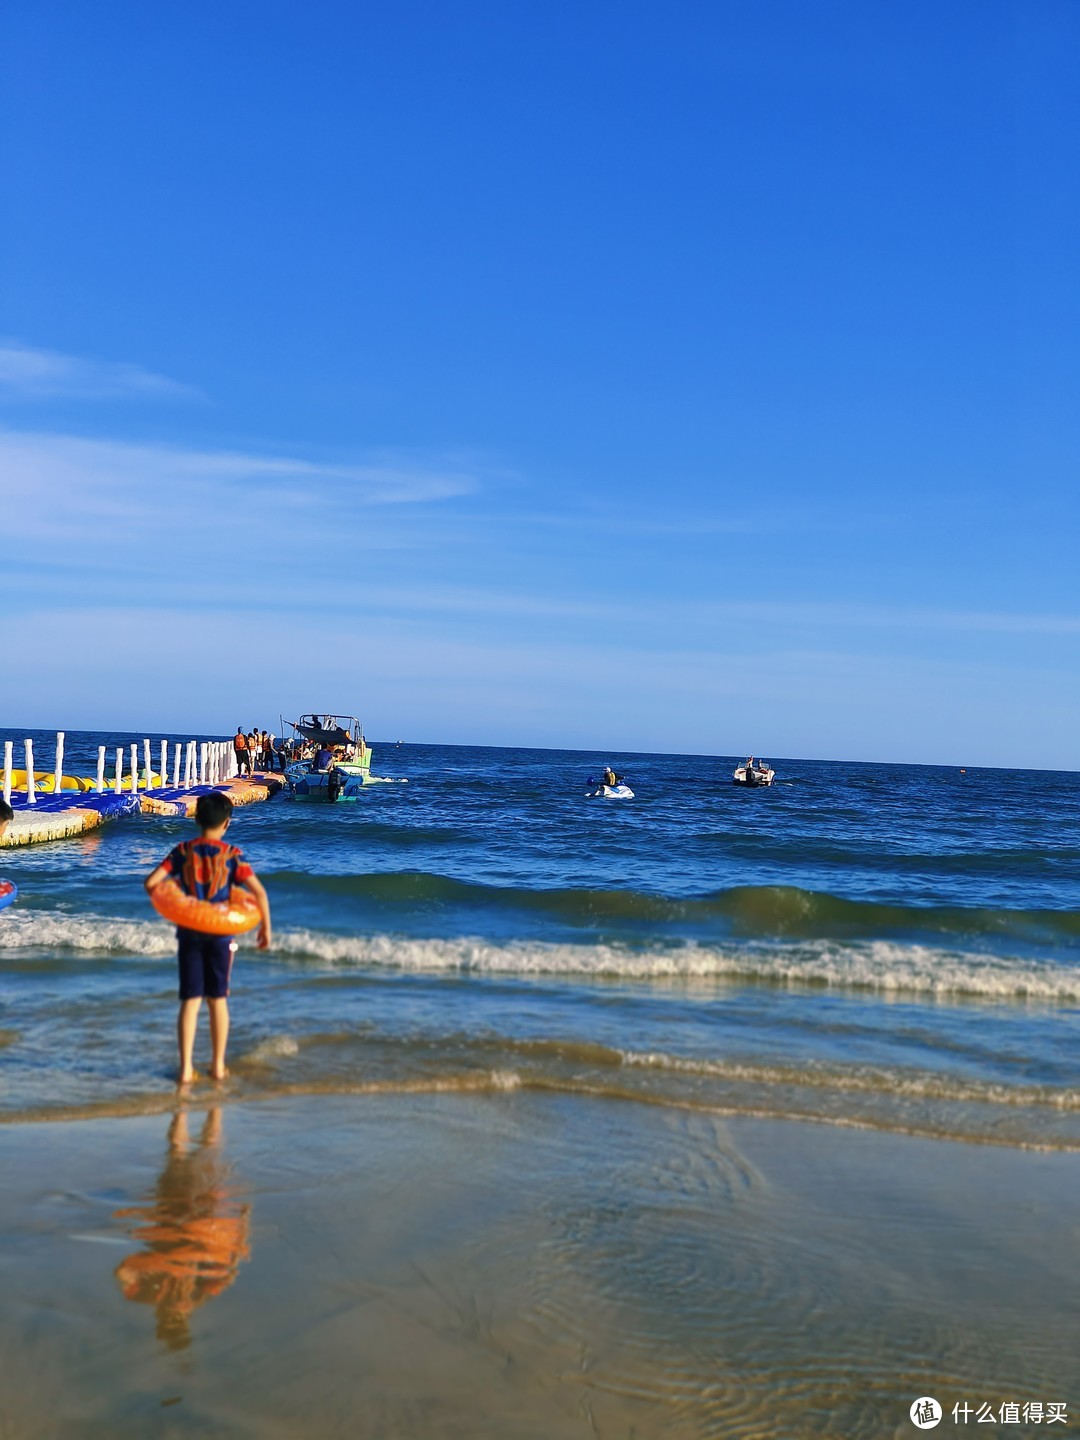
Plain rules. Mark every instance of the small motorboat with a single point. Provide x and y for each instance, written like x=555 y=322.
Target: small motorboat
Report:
x=332 y=760
x=753 y=772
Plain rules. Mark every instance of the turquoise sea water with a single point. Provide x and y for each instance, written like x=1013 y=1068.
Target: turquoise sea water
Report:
x=884 y=945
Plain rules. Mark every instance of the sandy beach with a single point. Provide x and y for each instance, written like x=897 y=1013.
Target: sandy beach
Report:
x=521 y=1264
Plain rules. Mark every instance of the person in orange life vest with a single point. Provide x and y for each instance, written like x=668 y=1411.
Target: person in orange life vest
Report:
x=243 y=756
x=208 y=869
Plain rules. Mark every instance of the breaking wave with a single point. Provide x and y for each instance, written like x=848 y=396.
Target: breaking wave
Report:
x=880 y=965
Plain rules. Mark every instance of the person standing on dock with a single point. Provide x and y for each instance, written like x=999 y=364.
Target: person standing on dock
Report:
x=243 y=755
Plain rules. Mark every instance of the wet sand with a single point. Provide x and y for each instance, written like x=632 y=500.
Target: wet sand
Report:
x=521 y=1264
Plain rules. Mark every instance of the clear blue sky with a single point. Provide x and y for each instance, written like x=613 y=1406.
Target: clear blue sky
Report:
x=694 y=376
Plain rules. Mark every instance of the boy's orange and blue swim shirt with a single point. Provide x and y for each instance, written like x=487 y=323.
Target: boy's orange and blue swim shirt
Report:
x=208 y=869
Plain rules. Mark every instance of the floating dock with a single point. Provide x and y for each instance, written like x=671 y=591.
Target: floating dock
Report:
x=58 y=817
x=55 y=806
x=249 y=790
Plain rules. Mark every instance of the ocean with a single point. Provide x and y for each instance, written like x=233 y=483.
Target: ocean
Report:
x=886 y=946
x=709 y=1113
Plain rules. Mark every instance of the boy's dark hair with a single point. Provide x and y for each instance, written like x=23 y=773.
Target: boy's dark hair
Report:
x=6 y=812
x=212 y=810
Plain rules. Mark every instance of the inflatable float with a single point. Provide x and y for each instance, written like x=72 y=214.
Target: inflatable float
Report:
x=228 y=917
x=45 y=781
x=8 y=892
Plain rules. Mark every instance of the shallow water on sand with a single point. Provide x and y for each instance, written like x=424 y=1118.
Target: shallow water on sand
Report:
x=522 y=1265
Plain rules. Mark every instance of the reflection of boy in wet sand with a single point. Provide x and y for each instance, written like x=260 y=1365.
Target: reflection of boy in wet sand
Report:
x=194 y=1231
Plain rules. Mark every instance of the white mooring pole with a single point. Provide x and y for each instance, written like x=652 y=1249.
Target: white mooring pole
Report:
x=134 y=767
x=177 y=757
x=118 y=781
x=58 y=768
x=100 y=769
x=9 y=747
x=163 y=778
x=202 y=763
x=31 y=798
x=149 y=762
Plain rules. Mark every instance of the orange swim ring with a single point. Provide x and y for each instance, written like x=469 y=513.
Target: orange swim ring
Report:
x=228 y=917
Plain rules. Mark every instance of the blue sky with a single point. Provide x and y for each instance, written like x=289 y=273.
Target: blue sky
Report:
x=694 y=377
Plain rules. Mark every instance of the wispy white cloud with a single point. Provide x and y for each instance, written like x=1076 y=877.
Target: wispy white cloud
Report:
x=27 y=373
x=105 y=490
x=106 y=513
x=863 y=616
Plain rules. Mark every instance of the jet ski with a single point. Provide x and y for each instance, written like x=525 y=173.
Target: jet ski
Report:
x=619 y=791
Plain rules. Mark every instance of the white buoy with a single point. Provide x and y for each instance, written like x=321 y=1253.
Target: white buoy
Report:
x=9 y=747
x=58 y=768
x=163 y=778
x=100 y=769
x=31 y=798
x=134 y=768
x=119 y=780
x=177 y=757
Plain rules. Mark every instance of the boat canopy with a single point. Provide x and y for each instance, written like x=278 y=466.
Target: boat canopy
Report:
x=328 y=729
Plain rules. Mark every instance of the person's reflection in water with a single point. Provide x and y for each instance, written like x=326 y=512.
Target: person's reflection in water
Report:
x=193 y=1230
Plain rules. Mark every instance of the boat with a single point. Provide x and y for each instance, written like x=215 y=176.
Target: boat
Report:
x=344 y=774
x=611 y=792
x=753 y=772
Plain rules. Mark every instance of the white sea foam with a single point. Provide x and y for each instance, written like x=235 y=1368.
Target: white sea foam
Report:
x=55 y=930
x=871 y=965
x=883 y=966
x=274 y=1047
x=865 y=1079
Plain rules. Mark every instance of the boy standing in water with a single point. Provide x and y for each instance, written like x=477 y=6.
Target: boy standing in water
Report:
x=207 y=868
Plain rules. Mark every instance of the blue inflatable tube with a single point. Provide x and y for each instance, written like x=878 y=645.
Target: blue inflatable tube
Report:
x=8 y=892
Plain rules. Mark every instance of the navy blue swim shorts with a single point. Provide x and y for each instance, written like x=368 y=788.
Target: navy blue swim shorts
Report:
x=205 y=964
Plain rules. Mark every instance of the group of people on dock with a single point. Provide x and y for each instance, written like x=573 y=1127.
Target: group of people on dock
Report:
x=256 y=750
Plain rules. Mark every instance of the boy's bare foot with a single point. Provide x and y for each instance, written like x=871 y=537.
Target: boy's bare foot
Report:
x=222 y=1074
x=189 y=1078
